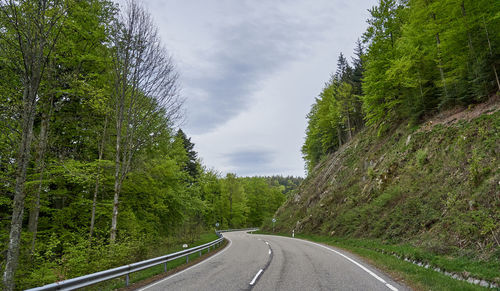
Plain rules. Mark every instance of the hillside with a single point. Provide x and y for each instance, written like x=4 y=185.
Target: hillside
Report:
x=436 y=186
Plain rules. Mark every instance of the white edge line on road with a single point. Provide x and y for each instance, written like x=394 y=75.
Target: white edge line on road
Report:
x=267 y=243
x=359 y=265
x=352 y=261
x=173 y=275
x=269 y=251
x=256 y=276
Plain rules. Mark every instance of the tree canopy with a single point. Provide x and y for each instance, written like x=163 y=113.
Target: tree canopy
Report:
x=417 y=57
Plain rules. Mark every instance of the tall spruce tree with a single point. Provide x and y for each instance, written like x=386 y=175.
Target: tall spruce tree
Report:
x=192 y=165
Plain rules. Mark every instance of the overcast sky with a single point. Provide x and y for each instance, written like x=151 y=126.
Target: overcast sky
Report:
x=250 y=71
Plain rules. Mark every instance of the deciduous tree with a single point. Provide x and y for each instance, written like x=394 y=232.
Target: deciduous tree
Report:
x=144 y=87
x=32 y=29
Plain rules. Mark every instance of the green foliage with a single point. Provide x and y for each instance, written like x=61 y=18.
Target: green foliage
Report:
x=477 y=169
x=82 y=257
x=192 y=164
x=237 y=202
x=421 y=57
x=421 y=157
x=371 y=172
x=423 y=54
x=288 y=184
x=336 y=115
x=263 y=199
x=381 y=99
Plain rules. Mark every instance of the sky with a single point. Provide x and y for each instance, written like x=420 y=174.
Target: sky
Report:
x=250 y=71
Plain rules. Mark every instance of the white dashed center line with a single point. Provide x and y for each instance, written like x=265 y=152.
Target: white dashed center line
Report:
x=256 y=276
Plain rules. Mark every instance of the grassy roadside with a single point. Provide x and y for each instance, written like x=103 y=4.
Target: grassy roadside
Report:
x=172 y=266
x=419 y=278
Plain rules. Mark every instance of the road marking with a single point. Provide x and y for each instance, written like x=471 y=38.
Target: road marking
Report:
x=352 y=261
x=359 y=265
x=200 y=263
x=256 y=276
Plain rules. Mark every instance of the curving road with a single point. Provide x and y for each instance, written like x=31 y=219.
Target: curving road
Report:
x=265 y=262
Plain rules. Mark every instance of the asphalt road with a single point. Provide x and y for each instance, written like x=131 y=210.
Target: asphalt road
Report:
x=264 y=262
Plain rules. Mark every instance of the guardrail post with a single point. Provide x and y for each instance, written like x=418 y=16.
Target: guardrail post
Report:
x=200 y=253
x=187 y=259
x=127 y=280
x=165 y=267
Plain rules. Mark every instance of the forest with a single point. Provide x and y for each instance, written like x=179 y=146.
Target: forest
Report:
x=416 y=58
x=94 y=167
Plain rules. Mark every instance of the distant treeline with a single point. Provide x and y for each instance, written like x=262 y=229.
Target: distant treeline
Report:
x=417 y=57
x=288 y=183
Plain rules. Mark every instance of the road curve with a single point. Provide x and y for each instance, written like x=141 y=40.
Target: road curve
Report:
x=265 y=262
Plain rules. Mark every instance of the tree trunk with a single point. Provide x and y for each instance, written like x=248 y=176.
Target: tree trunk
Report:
x=421 y=89
x=41 y=149
x=114 y=219
x=141 y=70
x=96 y=189
x=441 y=72
x=118 y=168
x=94 y=203
x=120 y=108
x=464 y=14
x=12 y=259
x=35 y=34
x=339 y=136
x=496 y=76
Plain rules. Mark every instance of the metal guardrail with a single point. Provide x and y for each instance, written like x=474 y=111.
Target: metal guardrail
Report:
x=87 y=280
x=94 y=278
x=238 y=229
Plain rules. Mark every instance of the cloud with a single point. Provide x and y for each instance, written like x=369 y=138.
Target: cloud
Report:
x=250 y=162
x=250 y=71
x=248 y=49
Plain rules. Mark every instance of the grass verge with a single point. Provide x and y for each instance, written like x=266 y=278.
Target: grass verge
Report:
x=147 y=276
x=416 y=277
